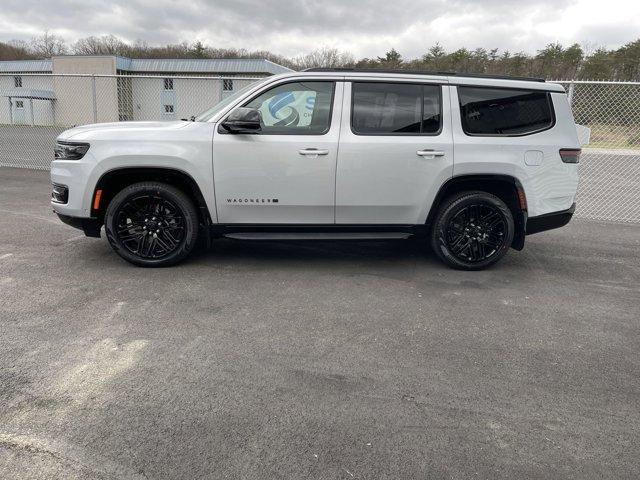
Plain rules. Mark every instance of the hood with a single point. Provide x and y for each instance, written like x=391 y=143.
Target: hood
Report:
x=86 y=131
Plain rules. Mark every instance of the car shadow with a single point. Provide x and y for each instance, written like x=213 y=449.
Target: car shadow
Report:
x=310 y=251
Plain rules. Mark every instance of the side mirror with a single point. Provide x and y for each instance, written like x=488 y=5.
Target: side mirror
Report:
x=242 y=120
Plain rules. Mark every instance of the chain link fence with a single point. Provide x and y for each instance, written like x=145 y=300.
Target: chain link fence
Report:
x=35 y=109
x=610 y=162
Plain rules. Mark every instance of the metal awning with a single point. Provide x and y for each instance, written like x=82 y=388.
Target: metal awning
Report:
x=29 y=93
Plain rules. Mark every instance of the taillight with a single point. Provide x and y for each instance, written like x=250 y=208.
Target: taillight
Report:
x=570 y=155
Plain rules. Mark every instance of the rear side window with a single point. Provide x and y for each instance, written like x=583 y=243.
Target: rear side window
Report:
x=501 y=111
x=395 y=109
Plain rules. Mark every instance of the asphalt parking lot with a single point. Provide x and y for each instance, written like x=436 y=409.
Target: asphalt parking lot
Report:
x=315 y=360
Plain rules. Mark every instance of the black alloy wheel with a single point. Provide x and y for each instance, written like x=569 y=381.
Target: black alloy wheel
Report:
x=151 y=224
x=472 y=230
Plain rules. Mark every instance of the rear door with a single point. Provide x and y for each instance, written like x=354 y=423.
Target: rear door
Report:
x=395 y=151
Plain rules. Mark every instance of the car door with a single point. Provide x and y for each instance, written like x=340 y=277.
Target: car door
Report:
x=396 y=149
x=285 y=173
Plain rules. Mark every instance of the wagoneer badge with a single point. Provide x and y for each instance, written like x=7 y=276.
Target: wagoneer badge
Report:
x=252 y=200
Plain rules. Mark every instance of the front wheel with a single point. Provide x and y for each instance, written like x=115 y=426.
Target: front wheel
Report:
x=472 y=230
x=152 y=224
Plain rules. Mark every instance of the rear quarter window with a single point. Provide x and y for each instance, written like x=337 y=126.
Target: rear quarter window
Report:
x=504 y=112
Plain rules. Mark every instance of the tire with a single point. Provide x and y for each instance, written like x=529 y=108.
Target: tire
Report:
x=463 y=243
x=152 y=224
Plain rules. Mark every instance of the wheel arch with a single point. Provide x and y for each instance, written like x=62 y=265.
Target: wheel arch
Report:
x=506 y=187
x=114 y=180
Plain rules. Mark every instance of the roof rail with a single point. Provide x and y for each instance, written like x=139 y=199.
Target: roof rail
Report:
x=422 y=72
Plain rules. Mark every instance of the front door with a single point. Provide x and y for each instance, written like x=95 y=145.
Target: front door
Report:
x=19 y=111
x=286 y=172
x=396 y=149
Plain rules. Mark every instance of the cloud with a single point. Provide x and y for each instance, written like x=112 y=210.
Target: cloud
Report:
x=366 y=28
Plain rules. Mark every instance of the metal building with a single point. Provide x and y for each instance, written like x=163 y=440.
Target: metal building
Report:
x=71 y=90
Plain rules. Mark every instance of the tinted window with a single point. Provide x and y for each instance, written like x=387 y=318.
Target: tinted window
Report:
x=395 y=109
x=299 y=108
x=496 y=111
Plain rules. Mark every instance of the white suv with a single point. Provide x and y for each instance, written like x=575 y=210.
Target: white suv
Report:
x=471 y=163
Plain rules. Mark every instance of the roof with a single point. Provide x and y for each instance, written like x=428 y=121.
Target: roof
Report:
x=461 y=79
x=17 y=66
x=160 y=65
x=196 y=65
x=420 y=72
x=29 y=93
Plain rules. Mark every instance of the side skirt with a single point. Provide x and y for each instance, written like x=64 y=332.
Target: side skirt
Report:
x=317 y=232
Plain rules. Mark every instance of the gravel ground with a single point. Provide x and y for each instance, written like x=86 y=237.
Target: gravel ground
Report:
x=315 y=360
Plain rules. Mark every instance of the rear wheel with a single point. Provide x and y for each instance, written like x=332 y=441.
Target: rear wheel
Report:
x=152 y=224
x=472 y=230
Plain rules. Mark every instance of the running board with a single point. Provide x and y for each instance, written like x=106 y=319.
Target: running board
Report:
x=318 y=235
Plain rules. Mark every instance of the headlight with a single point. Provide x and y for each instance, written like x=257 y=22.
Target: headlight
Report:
x=70 y=150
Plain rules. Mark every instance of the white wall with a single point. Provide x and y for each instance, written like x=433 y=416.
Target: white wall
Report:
x=43 y=110
x=74 y=104
x=74 y=97
x=189 y=97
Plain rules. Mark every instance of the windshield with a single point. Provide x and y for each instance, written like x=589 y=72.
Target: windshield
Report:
x=209 y=114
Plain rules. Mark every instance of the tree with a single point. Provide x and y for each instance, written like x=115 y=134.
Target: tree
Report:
x=47 y=45
x=15 y=50
x=598 y=66
x=104 y=45
x=627 y=60
x=434 y=59
x=552 y=62
x=571 y=61
x=198 y=50
x=557 y=63
x=323 y=58
x=392 y=60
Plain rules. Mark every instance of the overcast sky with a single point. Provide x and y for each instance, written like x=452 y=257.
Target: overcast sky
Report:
x=363 y=27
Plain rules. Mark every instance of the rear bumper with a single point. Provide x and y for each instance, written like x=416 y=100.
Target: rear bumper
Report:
x=549 y=221
x=90 y=226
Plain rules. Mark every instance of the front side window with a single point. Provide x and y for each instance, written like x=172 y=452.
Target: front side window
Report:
x=297 y=108
x=501 y=111
x=395 y=109
x=17 y=82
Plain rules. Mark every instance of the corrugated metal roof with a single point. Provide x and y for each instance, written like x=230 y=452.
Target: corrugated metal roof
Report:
x=190 y=65
x=164 y=65
x=29 y=93
x=43 y=66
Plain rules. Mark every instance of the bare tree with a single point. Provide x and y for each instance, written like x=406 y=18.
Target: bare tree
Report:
x=324 y=58
x=15 y=50
x=47 y=45
x=104 y=45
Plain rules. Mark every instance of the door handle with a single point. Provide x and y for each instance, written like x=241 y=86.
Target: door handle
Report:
x=430 y=153
x=313 y=152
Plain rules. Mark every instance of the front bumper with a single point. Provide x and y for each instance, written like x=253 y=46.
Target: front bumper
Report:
x=90 y=226
x=76 y=176
x=549 y=221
